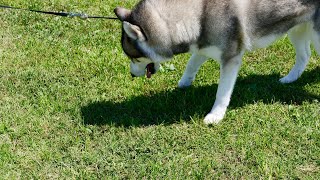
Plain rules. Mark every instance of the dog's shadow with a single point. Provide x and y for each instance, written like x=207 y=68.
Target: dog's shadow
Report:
x=171 y=106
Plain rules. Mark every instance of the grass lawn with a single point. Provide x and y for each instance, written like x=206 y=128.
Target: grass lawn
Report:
x=70 y=109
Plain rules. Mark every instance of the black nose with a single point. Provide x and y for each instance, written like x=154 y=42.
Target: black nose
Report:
x=133 y=75
x=150 y=67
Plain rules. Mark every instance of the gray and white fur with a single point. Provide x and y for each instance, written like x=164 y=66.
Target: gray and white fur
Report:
x=156 y=30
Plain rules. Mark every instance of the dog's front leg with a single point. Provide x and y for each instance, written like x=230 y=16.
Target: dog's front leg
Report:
x=191 y=71
x=301 y=42
x=228 y=74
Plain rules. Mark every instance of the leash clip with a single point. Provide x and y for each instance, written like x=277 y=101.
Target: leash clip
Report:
x=79 y=15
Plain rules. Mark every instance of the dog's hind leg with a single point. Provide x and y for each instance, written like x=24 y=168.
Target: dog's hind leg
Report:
x=228 y=75
x=301 y=40
x=316 y=31
x=191 y=71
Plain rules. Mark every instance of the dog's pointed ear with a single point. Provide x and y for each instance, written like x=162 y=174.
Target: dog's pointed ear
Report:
x=133 y=31
x=122 y=13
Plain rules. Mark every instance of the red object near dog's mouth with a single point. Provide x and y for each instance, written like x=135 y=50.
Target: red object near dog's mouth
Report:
x=150 y=70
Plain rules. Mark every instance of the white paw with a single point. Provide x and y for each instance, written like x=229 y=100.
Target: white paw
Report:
x=287 y=80
x=213 y=118
x=184 y=83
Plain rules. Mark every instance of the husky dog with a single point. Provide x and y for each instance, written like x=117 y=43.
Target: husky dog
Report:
x=155 y=30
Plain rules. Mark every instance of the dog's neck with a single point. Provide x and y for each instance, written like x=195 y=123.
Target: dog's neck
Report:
x=175 y=30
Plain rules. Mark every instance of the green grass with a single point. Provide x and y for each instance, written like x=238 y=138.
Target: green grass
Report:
x=69 y=108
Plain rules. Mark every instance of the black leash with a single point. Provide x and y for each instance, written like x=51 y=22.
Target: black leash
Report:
x=63 y=14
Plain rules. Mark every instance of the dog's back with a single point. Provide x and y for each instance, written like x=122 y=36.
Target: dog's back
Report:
x=172 y=23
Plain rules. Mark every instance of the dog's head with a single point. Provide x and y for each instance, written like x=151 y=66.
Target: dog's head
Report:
x=136 y=45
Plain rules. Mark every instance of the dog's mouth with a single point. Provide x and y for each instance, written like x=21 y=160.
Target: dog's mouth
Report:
x=150 y=70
